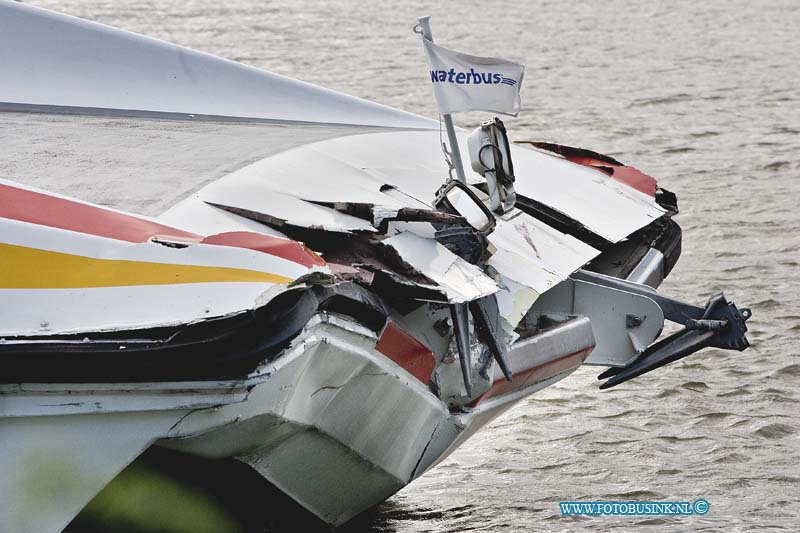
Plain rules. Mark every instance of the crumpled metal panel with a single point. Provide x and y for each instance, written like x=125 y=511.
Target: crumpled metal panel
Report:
x=193 y=214
x=336 y=410
x=276 y=208
x=460 y=280
x=310 y=175
x=413 y=162
x=395 y=169
x=534 y=254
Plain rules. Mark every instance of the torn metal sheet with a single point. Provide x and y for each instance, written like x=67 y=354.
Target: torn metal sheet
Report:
x=310 y=175
x=193 y=214
x=461 y=281
x=489 y=329
x=630 y=176
x=514 y=300
x=259 y=202
x=534 y=254
x=284 y=248
x=414 y=164
x=460 y=317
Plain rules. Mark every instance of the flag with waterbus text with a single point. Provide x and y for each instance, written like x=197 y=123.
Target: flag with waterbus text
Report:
x=463 y=82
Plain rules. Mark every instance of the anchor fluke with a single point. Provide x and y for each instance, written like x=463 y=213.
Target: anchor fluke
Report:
x=722 y=325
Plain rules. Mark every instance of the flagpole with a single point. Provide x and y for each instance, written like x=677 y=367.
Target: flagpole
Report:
x=425 y=25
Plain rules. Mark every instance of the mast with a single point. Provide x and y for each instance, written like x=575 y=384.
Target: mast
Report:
x=425 y=25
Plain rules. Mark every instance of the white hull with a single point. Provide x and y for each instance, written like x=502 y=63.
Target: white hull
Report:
x=332 y=422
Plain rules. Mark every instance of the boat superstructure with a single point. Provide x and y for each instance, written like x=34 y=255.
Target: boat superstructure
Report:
x=206 y=257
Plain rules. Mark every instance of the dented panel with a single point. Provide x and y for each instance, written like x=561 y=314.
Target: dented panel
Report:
x=534 y=254
x=358 y=168
x=589 y=196
x=461 y=281
x=276 y=209
x=311 y=175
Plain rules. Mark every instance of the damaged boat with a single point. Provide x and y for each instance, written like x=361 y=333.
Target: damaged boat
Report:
x=206 y=257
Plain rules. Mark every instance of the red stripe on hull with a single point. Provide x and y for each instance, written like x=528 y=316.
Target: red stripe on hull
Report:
x=406 y=351
x=534 y=374
x=630 y=176
x=285 y=248
x=45 y=210
x=61 y=213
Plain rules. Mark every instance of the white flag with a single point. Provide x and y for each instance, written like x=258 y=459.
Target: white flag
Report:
x=462 y=82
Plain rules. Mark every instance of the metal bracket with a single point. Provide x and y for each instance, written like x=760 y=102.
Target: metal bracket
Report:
x=443 y=204
x=459 y=314
x=487 y=326
x=674 y=310
x=720 y=324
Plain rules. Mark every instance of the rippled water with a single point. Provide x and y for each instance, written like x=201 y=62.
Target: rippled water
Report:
x=703 y=95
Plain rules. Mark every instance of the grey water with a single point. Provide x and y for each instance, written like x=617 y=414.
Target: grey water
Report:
x=705 y=96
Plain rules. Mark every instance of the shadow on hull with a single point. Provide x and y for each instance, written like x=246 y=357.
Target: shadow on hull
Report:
x=169 y=491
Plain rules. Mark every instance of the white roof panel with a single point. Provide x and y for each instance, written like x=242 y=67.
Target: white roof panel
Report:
x=59 y=60
x=413 y=161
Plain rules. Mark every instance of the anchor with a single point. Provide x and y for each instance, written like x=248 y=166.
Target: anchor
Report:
x=720 y=324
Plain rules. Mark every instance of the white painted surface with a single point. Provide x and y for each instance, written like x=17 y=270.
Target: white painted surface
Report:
x=534 y=254
x=413 y=161
x=64 y=310
x=58 y=240
x=461 y=281
x=196 y=216
x=281 y=208
x=52 y=466
x=142 y=165
x=66 y=61
x=48 y=399
x=607 y=308
x=513 y=301
x=56 y=311
x=312 y=175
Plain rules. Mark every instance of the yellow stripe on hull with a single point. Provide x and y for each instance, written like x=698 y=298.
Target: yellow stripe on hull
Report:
x=32 y=268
